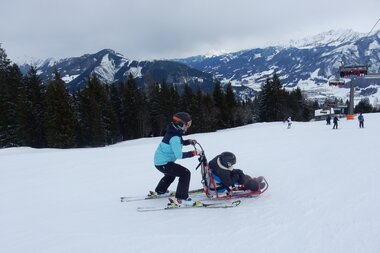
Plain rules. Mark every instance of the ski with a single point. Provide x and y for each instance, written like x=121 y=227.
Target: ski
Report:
x=147 y=197
x=201 y=205
x=153 y=196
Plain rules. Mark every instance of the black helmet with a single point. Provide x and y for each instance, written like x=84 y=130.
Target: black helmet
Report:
x=227 y=159
x=182 y=120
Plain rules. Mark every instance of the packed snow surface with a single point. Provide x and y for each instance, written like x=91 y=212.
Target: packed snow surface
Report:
x=323 y=195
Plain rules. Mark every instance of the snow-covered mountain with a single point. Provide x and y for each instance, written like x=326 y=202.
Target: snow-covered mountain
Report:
x=330 y=38
x=308 y=63
x=112 y=67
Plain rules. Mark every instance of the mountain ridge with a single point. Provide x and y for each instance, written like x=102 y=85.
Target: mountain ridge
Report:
x=308 y=63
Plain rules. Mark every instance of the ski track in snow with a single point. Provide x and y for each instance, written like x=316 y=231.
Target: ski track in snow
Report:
x=322 y=196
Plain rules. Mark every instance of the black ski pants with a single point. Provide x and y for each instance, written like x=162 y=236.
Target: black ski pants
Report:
x=171 y=171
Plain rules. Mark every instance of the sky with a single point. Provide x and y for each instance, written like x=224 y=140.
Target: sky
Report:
x=323 y=195
x=166 y=29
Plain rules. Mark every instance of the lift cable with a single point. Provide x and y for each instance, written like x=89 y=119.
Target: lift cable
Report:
x=373 y=27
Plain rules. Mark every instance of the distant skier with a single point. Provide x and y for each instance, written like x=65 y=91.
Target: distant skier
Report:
x=328 y=120
x=168 y=151
x=227 y=177
x=289 y=120
x=335 y=121
x=361 y=120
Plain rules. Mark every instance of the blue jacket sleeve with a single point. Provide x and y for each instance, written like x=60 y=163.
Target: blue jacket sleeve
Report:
x=176 y=145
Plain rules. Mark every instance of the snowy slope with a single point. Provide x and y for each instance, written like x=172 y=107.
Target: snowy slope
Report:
x=323 y=195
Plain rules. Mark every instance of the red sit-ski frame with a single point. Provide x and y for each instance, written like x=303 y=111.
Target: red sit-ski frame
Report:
x=209 y=183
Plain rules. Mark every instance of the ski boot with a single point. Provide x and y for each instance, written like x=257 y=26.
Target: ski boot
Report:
x=183 y=202
x=153 y=194
x=261 y=182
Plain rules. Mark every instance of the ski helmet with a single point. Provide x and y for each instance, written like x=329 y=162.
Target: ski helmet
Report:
x=182 y=120
x=227 y=159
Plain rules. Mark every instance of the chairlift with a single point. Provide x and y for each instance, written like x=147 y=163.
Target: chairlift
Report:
x=337 y=82
x=355 y=70
x=328 y=103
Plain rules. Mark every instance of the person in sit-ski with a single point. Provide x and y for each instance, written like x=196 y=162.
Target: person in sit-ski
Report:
x=168 y=151
x=226 y=177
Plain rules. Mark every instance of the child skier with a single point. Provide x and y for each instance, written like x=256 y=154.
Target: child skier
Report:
x=227 y=177
x=168 y=151
x=289 y=120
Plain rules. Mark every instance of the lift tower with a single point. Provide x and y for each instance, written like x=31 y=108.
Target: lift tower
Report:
x=352 y=72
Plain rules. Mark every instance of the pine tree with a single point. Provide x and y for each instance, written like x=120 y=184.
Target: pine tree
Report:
x=10 y=87
x=202 y=110
x=142 y=116
x=231 y=106
x=221 y=105
x=75 y=101
x=4 y=64
x=165 y=107
x=116 y=103
x=208 y=112
x=35 y=91
x=196 y=111
x=129 y=122
x=295 y=104
x=279 y=108
x=59 y=117
x=316 y=105
x=112 y=127
x=98 y=120
x=175 y=99
x=364 y=106
x=263 y=102
x=163 y=103
x=272 y=101
x=186 y=98
x=154 y=109
x=91 y=122
x=134 y=110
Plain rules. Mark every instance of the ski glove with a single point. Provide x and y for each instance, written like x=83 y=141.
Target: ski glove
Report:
x=191 y=154
x=196 y=152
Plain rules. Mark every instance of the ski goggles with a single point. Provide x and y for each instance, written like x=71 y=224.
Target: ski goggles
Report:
x=186 y=126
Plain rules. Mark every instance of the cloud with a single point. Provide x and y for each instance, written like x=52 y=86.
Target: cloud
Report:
x=151 y=29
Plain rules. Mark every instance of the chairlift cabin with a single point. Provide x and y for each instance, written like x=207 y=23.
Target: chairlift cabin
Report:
x=357 y=70
x=329 y=103
x=337 y=82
